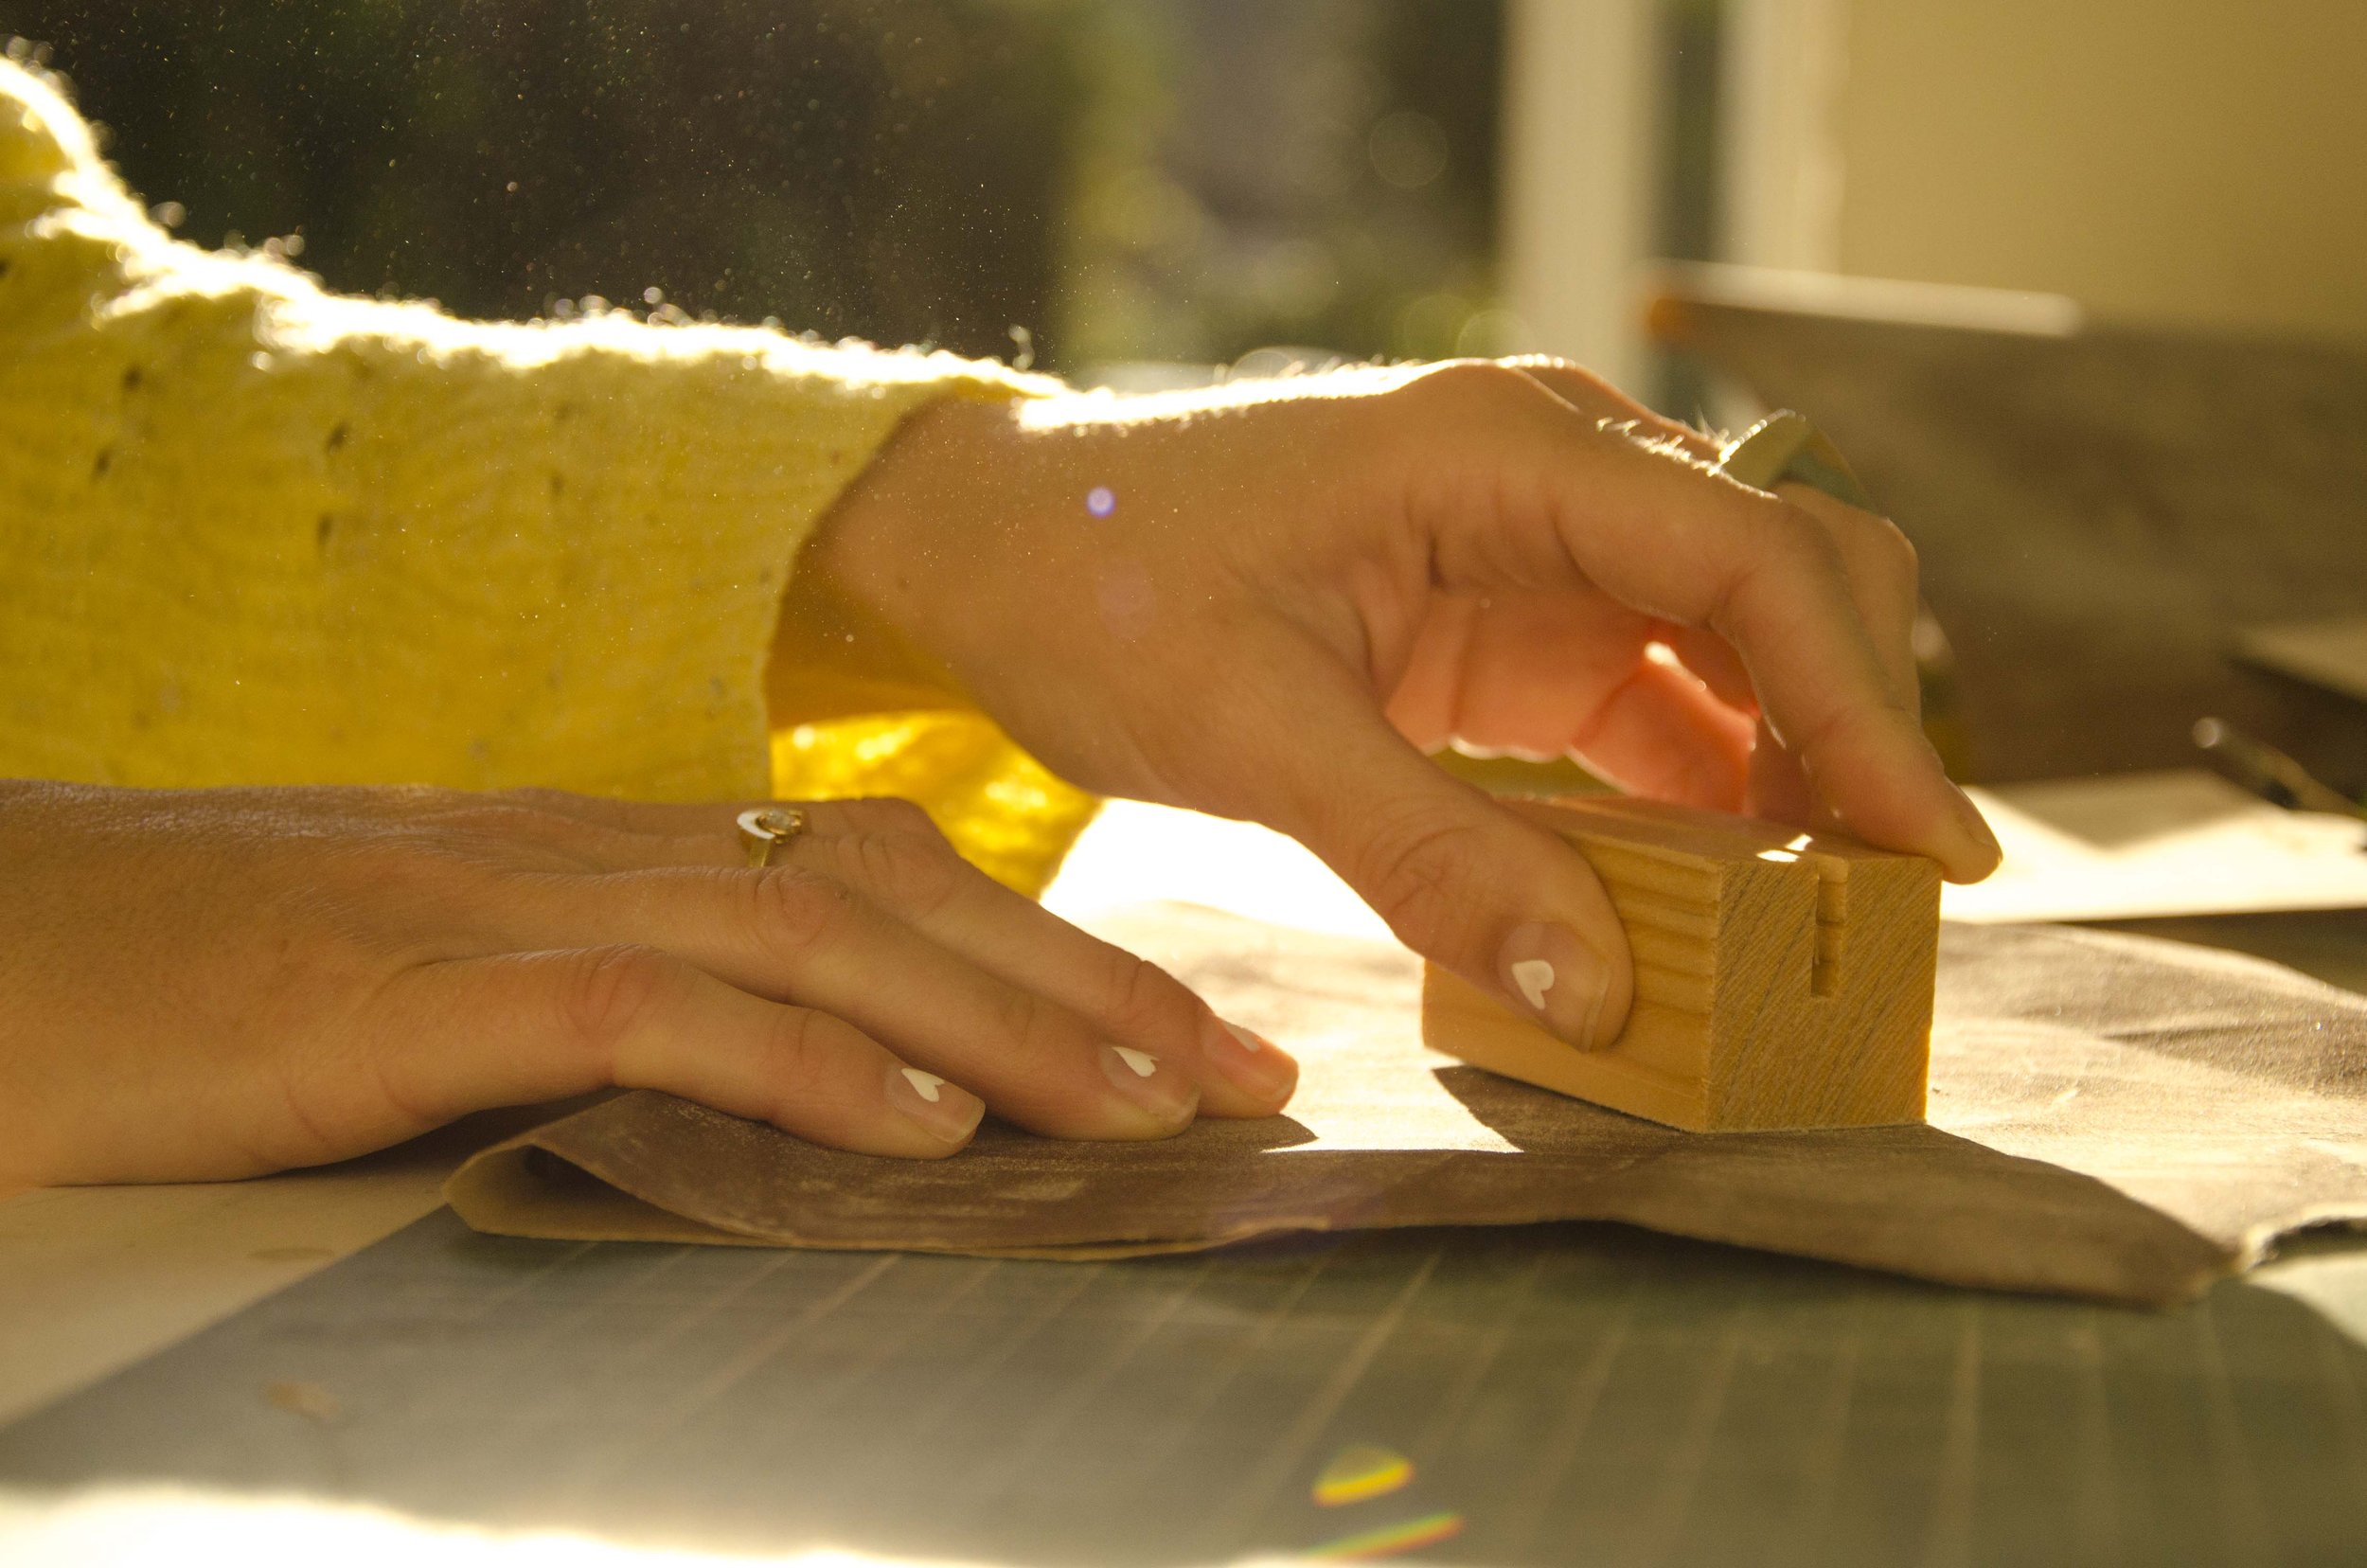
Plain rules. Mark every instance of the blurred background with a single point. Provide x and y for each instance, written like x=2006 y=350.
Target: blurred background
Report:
x=1122 y=180
x=2081 y=289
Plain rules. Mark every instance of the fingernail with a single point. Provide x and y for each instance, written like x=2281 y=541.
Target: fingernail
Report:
x=1149 y=1083
x=947 y=1110
x=1978 y=826
x=1557 y=979
x=1250 y=1062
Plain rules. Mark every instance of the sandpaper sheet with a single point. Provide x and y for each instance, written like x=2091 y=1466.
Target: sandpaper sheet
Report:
x=2111 y=1117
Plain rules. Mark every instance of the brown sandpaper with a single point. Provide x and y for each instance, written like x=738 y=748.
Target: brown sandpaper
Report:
x=2111 y=1117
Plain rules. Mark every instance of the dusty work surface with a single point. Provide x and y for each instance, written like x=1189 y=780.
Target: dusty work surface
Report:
x=2113 y=1117
x=1564 y=1394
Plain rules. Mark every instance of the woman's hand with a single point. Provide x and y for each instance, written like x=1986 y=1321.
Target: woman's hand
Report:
x=210 y=983
x=1266 y=601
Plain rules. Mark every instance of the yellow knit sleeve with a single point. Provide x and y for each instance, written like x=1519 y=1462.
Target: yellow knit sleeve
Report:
x=255 y=532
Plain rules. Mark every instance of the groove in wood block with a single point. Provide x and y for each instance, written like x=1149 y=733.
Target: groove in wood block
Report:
x=1783 y=979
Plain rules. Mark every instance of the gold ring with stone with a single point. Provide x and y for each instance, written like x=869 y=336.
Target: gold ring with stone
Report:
x=765 y=829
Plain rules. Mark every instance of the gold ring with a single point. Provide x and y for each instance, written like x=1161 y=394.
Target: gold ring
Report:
x=1785 y=446
x=764 y=829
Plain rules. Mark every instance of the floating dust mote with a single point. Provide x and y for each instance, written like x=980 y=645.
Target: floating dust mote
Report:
x=1362 y=1470
x=1390 y=1539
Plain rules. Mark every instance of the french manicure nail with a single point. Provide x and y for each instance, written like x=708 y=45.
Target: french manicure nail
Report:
x=1250 y=1062
x=947 y=1111
x=1558 y=979
x=1146 y=1081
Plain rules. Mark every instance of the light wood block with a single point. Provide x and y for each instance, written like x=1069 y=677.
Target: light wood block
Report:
x=1782 y=979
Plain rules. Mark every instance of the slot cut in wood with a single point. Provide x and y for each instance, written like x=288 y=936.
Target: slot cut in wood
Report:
x=1782 y=979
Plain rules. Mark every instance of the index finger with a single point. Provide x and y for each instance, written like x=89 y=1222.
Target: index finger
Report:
x=1693 y=546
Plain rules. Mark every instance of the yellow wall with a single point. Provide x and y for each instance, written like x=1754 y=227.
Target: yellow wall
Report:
x=2198 y=161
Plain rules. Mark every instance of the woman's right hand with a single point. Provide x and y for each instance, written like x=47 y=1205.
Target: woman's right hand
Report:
x=218 y=983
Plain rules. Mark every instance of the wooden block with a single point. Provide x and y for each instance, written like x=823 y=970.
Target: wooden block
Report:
x=1782 y=979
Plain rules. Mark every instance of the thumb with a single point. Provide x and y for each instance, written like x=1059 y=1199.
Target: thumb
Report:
x=1462 y=879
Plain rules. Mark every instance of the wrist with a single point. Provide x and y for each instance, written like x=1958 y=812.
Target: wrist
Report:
x=870 y=610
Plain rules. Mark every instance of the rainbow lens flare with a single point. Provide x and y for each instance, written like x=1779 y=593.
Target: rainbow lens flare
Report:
x=1390 y=1539
x=1362 y=1470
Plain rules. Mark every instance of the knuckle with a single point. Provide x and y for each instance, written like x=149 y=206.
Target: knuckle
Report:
x=1555 y=364
x=799 y=1064
x=908 y=817
x=1143 y=999
x=1027 y=1026
x=1843 y=730
x=1784 y=555
x=1794 y=539
x=911 y=874
x=1481 y=381
x=795 y=911
x=889 y=814
x=1862 y=538
x=435 y=869
x=1792 y=526
x=611 y=994
x=1414 y=868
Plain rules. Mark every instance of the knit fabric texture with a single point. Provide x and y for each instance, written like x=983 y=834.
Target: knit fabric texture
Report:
x=252 y=531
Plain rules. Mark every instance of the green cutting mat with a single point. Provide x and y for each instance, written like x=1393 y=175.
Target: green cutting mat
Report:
x=1568 y=1394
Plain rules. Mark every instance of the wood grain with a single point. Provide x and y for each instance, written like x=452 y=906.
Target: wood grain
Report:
x=1782 y=979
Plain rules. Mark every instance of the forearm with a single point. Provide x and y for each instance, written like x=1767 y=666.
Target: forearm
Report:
x=258 y=532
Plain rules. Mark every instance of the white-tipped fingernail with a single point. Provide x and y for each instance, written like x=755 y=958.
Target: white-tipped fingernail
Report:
x=1561 y=979
x=1143 y=1078
x=947 y=1111
x=1251 y=1063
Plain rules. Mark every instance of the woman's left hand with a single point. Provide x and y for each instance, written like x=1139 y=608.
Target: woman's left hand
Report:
x=200 y=983
x=1267 y=602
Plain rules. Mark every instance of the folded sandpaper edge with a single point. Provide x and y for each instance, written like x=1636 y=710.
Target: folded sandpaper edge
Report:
x=500 y=1192
x=575 y=1195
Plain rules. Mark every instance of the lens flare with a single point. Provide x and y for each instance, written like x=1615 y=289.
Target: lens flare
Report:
x=1390 y=1539
x=1362 y=1470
